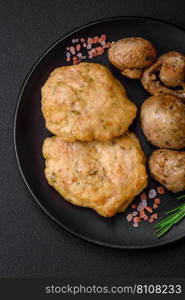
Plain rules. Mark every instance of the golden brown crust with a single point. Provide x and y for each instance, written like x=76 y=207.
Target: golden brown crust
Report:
x=132 y=55
x=103 y=176
x=168 y=168
x=85 y=102
x=132 y=73
x=163 y=121
x=171 y=68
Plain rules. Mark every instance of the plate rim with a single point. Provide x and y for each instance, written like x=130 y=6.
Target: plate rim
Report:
x=23 y=176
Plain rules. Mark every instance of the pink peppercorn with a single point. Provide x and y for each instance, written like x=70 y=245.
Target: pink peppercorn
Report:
x=133 y=206
x=78 y=47
x=157 y=200
x=129 y=217
x=149 y=209
x=72 y=50
x=155 y=206
x=161 y=190
x=107 y=45
x=143 y=196
x=95 y=40
x=102 y=38
x=89 y=40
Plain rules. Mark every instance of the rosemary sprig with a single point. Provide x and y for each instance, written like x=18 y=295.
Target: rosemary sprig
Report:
x=175 y=215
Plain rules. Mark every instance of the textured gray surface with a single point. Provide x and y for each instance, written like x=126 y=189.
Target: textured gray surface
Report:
x=31 y=245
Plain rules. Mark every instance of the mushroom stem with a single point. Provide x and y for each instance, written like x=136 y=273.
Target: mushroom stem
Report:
x=155 y=86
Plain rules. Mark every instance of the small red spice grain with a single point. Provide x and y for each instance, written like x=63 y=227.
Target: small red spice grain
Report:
x=107 y=45
x=75 y=62
x=140 y=207
x=155 y=206
x=95 y=39
x=91 y=53
x=144 y=202
x=151 y=220
x=160 y=190
x=143 y=196
x=152 y=194
x=149 y=209
x=135 y=213
x=136 y=220
x=142 y=214
x=102 y=38
x=79 y=54
x=155 y=216
x=72 y=50
x=146 y=218
x=87 y=44
x=133 y=206
x=89 y=41
x=157 y=201
x=99 y=51
x=78 y=47
x=129 y=217
x=143 y=211
x=94 y=52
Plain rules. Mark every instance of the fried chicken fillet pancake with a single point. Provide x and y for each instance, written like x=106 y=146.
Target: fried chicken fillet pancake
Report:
x=85 y=102
x=103 y=176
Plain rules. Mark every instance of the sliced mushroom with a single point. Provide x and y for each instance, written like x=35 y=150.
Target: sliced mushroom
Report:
x=167 y=73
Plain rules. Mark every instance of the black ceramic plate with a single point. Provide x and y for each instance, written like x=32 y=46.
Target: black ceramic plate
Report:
x=30 y=133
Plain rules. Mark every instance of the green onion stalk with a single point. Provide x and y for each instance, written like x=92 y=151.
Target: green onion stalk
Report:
x=175 y=215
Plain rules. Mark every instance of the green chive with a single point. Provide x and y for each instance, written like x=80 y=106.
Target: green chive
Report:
x=175 y=215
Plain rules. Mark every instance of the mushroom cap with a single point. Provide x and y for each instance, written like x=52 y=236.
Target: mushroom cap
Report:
x=171 y=69
x=133 y=52
x=163 y=121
